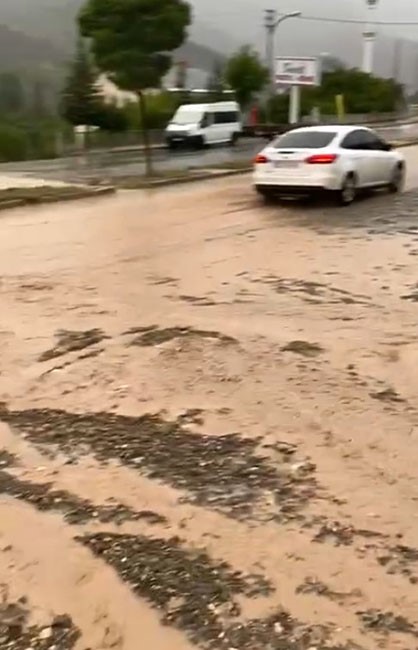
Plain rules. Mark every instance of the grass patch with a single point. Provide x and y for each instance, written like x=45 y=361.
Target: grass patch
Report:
x=22 y=196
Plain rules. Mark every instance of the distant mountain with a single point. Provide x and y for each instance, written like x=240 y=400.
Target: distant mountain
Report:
x=221 y=27
x=198 y=56
x=20 y=51
x=55 y=21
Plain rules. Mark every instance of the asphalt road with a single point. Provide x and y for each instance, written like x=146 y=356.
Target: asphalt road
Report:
x=116 y=163
x=125 y=163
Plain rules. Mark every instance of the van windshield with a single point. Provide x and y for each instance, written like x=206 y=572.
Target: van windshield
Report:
x=187 y=117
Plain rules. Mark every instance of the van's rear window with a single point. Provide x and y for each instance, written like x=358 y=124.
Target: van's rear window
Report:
x=304 y=139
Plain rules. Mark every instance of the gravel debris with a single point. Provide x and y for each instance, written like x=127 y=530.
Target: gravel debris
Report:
x=221 y=472
x=198 y=596
x=75 y=510
x=342 y=535
x=192 y=591
x=16 y=634
x=315 y=586
x=71 y=341
x=387 y=622
x=303 y=348
x=401 y=560
x=387 y=395
x=313 y=292
x=280 y=631
x=158 y=335
x=7 y=459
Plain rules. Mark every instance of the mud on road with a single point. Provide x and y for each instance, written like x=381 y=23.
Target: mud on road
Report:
x=209 y=424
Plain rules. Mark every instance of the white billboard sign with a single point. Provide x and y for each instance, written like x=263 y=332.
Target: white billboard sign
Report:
x=297 y=71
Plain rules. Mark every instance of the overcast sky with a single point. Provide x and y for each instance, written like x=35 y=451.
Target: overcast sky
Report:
x=243 y=20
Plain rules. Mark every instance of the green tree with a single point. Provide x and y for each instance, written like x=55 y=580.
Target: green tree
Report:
x=81 y=102
x=39 y=100
x=132 y=41
x=12 y=95
x=246 y=74
x=216 y=82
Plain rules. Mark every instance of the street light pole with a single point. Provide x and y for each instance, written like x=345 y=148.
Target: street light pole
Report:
x=369 y=38
x=271 y=23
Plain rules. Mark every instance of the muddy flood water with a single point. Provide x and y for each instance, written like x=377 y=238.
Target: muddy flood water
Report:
x=209 y=423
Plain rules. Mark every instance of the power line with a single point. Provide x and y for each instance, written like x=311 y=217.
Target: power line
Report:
x=347 y=21
x=357 y=22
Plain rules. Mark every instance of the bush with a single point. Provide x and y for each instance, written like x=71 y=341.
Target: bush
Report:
x=113 y=119
x=13 y=143
x=363 y=93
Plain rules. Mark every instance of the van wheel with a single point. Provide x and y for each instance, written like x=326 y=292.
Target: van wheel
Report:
x=397 y=180
x=201 y=142
x=347 y=194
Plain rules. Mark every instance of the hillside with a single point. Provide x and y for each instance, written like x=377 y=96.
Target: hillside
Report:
x=198 y=56
x=20 y=51
x=53 y=21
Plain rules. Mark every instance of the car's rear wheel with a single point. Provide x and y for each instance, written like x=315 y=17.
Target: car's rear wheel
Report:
x=397 y=180
x=348 y=192
x=267 y=194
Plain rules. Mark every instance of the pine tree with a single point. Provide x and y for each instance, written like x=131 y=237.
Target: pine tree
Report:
x=81 y=102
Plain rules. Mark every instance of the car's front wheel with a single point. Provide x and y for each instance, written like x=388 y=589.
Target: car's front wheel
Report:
x=348 y=192
x=397 y=179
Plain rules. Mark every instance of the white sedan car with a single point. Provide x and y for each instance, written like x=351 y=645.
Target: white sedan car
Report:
x=338 y=159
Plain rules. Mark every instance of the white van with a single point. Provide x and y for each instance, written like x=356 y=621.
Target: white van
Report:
x=204 y=124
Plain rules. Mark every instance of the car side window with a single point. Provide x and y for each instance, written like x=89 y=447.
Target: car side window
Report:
x=376 y=143
x=350 y=141
x=357 y=140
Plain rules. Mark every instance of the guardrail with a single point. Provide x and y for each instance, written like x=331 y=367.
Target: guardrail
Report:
x=103 y=141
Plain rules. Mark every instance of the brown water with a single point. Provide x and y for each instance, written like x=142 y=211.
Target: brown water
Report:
x=293 y=328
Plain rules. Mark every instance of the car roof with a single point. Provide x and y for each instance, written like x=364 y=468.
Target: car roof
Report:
x=339 y=129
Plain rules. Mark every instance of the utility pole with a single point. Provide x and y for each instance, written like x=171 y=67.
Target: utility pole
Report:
x=270 y=23
x=397 y=60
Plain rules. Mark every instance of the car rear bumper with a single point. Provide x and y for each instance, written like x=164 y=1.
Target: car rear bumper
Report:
x=318 y=178
x=290 y=189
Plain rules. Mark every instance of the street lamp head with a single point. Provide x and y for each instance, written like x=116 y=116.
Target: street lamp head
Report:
x=294 y=14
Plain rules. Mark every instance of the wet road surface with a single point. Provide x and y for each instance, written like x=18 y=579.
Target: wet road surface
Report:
x=209 y=423
x=113 y=164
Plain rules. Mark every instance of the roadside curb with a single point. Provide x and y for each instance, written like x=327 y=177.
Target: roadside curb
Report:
x=180 y=180
x=32 y=200
x=223 y=174
x=400 y=145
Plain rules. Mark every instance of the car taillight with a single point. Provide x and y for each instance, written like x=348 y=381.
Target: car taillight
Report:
x=261 y=159
x=322 y=159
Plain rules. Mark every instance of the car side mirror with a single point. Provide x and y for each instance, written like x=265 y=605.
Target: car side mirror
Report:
x=388 y=146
